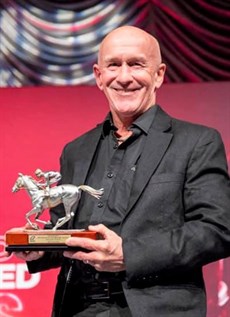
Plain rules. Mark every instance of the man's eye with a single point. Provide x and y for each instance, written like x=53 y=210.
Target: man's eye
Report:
x=112 y=65
x=136 y=64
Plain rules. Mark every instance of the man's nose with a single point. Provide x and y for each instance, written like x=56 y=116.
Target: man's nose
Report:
x=124 y=74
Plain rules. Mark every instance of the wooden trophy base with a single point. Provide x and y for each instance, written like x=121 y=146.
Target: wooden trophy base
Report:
x=43 y=240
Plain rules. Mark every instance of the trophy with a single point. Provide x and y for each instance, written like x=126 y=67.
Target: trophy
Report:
x=43 y=196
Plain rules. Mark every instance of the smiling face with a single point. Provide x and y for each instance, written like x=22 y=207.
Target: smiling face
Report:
x=129 y=71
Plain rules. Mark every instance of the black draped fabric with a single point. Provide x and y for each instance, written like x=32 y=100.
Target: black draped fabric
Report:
x=195 y=38
x=56 y=42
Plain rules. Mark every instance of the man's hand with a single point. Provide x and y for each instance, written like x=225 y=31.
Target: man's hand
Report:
x=26 y=255
x=106 y=254
x=29 y=255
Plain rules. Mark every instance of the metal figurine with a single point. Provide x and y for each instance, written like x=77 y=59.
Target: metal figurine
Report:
x=44 y=196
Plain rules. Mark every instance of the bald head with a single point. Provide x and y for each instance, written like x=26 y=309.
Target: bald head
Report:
x=129 y=71
x=127 y=36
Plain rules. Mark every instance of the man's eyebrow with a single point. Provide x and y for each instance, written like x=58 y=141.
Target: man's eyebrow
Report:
x=137 y=59
x=131 y=59
x=111 y=59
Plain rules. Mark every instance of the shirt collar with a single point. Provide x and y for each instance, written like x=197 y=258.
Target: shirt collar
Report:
x=143 y=122
x=108 y=125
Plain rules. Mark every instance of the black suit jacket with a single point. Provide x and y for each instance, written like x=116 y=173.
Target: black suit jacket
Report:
x=178 y=217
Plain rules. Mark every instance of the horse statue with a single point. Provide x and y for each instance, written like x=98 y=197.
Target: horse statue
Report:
x=44 y=196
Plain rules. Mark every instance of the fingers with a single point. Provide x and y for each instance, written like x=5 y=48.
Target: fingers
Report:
x=21 y=255
x=6 y=254
x=105 y=245
x=105 y=254
x=29 y=255
x=89 y=262
x=101 y=229
x=85 y=243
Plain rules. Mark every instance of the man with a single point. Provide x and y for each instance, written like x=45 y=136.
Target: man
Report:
x=165 y=210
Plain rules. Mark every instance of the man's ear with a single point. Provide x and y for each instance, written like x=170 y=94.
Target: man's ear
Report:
x=97 y=75
x=159 y=76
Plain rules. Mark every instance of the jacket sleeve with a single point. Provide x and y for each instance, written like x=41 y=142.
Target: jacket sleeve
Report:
x=50 y=260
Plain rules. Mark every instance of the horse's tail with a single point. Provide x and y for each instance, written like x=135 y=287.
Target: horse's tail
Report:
x=97 y=193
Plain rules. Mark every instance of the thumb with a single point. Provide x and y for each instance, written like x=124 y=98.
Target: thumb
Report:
x=101 y=229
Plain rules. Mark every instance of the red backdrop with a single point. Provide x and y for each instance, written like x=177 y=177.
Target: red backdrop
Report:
x=35 y=124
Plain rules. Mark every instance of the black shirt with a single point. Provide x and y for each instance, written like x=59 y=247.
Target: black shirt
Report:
x=113 y=169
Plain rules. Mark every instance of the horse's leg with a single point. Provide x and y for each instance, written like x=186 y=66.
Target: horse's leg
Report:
x=39 y=220
x=38 y=209
x=61 y=221
x=68 y=203
x=42 y=221
x=35 y=210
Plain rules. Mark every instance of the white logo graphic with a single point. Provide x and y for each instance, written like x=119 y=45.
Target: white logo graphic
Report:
x=13 y=276
x=9 y=304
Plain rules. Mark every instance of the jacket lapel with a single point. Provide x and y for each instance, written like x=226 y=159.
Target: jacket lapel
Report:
x=157 y=142
x=83 y=161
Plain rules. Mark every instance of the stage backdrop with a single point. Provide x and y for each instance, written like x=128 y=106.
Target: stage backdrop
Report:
x=35 y=124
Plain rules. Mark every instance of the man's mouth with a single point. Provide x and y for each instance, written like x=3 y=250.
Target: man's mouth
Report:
x=129 y=91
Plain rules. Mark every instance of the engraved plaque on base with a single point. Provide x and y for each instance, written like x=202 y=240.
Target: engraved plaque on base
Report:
x=43 y=240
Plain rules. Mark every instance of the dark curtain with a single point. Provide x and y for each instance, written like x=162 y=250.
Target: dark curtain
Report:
x=195 y=38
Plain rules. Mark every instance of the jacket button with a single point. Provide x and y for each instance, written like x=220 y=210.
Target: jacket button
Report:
x=110 y=174
x=100 y=204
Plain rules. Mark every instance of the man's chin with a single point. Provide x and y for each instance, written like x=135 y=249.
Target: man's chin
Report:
x=127 y=111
